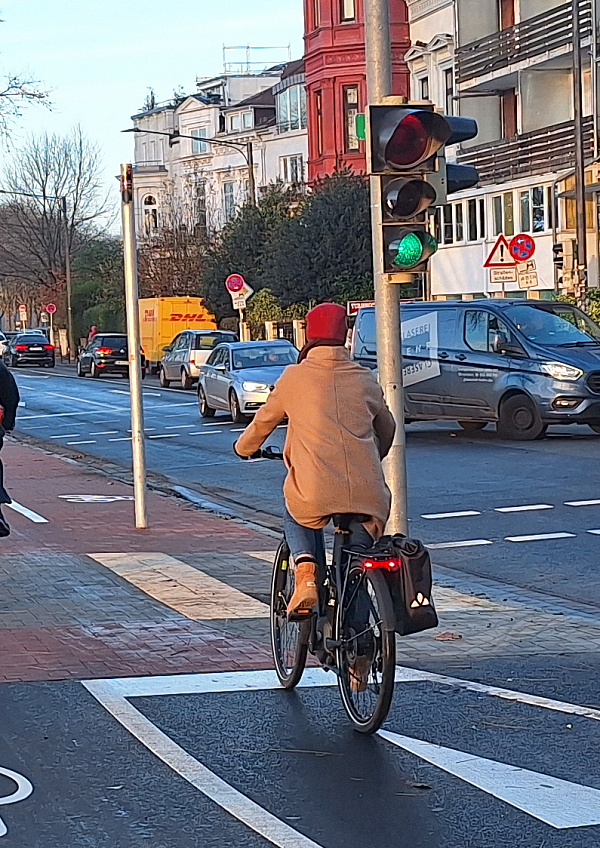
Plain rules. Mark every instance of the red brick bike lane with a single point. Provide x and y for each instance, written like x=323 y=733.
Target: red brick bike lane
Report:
x=65 y=616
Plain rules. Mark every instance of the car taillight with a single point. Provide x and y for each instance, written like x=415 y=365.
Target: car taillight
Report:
x=21 y=347
x=48 y=347
x=389 y=564
x=105 y=351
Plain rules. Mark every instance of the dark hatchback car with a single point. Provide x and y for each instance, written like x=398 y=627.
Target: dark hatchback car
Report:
x=29 y=349
x=107 y=353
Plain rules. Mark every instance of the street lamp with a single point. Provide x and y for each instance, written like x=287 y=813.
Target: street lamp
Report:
x=69 y=288
x=246 y=150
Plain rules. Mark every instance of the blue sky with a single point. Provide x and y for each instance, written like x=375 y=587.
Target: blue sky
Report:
x=100 y=56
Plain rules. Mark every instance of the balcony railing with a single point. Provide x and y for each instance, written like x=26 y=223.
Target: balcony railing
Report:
x=543 y=151
x=533 y=37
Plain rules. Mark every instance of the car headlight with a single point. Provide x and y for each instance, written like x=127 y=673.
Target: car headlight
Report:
x=255 y=387
x=561 y=371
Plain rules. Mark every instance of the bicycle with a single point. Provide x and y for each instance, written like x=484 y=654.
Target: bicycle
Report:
x=352 y=627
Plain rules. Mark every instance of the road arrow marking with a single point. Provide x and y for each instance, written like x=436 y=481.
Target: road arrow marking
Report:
x=553 y=801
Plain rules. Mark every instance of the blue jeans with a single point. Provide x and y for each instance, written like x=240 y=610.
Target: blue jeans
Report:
x=304 y=540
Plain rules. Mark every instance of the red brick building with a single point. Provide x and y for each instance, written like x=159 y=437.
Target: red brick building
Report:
x=336 y=79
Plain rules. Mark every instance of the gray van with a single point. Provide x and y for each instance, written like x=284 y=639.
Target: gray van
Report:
x=524 y=364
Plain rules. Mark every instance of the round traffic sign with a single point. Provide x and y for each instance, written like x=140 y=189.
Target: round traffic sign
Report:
x=51 y=308
x=22 y=308
x=521 y=247
x=235 y=283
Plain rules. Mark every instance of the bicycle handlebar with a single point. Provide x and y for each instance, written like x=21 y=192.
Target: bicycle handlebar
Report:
x=272 y=452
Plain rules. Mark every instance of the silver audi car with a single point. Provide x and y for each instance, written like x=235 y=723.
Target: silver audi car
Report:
x=238 y=377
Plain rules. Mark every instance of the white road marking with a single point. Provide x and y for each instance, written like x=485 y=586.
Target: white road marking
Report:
x=468 y=543
x=105 y=433
x=87 y=442
x=526 y=508
x=204 y=432
x=594 y=532
x=555 y=802
x=176 y=426
x=152 y=394
x=237 y=430
x=28 y=513
x=582 y=503
x=51 y=415
x=165 y=436
x=540 y=537
x=121 y=439
x=463 y=514
x=65 y=436
x=23 y=791
x=119 y=392
x=198 y=775
x=216 y=424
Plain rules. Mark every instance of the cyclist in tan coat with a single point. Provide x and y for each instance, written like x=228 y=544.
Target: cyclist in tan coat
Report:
x=339 y=431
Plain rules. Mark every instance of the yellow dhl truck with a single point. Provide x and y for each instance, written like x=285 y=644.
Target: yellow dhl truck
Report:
x=162 y=318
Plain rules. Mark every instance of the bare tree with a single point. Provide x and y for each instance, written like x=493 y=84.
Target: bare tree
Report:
x=16 y=93
x=34 y=233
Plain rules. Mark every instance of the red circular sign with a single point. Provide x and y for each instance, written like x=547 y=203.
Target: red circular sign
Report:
x=22 y=308
x=51 y=308
x=521 y=247
x=235 y=283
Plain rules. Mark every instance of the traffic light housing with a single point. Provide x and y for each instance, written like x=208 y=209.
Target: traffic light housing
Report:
x=406 y=151
x=558 y=255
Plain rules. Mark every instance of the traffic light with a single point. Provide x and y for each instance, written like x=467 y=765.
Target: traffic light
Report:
x=558 y=257
x=406 y=151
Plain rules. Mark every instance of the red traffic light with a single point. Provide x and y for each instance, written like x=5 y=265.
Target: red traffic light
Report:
x=404 y=138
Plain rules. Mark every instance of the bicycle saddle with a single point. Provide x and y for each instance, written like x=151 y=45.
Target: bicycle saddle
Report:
x=341 y=520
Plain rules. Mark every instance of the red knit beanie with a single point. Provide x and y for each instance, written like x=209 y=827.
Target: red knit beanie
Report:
x=327 y=321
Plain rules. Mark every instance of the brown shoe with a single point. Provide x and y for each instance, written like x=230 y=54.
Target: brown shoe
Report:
x=305 y=595
x=359 y=674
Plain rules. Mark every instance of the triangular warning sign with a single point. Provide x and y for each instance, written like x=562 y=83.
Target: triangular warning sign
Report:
x=500 y=257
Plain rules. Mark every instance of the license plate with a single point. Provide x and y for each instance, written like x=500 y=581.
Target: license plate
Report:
x=121 y=362
x=36 y=348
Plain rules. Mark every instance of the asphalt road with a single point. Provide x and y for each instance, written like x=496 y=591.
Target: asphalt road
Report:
x=228 y=760
x=527 y=514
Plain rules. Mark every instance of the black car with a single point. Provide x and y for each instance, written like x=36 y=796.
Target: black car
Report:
x=107 y=353
x=29 y=349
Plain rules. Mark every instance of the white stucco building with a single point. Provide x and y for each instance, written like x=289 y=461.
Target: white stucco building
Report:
x=199 y=184
x=507 y=63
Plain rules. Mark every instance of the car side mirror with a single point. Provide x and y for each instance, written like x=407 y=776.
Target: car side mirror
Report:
x=503 y=345
x=220 y=367
x=167 y=349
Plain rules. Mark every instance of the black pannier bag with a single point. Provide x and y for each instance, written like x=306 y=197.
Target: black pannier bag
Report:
x=410 y=585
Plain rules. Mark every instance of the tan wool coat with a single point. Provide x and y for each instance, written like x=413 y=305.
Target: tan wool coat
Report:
x=339 y=429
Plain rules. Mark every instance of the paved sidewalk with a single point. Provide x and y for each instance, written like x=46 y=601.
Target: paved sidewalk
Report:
x=63 y=615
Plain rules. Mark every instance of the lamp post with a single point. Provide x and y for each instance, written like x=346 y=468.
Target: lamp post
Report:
x=246 y=150
x=68 y=282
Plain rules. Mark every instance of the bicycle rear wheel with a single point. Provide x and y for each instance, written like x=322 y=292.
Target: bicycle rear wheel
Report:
x=367 y=655
x=289 y=639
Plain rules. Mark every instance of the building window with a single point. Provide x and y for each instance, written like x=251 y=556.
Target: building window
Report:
x=291 y=169
x=319 y=114
x=347 y=10
x=234 y=123
x=538 y=215
x=150 y=214
x=504 y=214
x=448 y=224
x=482 y=218
x=200 y=146
x=291 y=109
x=350 y=96
x=228 y=201
x=508 y=102
x=248 y=120
x=458 y=220
x=200 y=208
x=525 y=212
x=472 y=220
x=497 y=207
x=449 y=91
x=424 y=88
x=316 y=13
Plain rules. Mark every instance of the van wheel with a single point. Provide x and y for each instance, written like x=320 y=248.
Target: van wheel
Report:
x=186 y=380
x=519 y=420
x=595 y=428
x=472 y=426
x=162 y=379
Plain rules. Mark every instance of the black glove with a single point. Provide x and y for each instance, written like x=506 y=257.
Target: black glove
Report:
x=256 y=455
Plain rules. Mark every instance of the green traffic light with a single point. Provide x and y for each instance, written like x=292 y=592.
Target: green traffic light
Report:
x=412 y=248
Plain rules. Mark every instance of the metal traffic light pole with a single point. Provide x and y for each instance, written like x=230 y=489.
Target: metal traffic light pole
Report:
x=134 y=347
x=387 y=310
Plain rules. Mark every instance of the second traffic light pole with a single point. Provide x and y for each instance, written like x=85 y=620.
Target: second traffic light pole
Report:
x=389 y=347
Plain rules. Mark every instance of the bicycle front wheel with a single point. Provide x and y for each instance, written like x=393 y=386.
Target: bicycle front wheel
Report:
x=367 y=654
x=289 y=639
